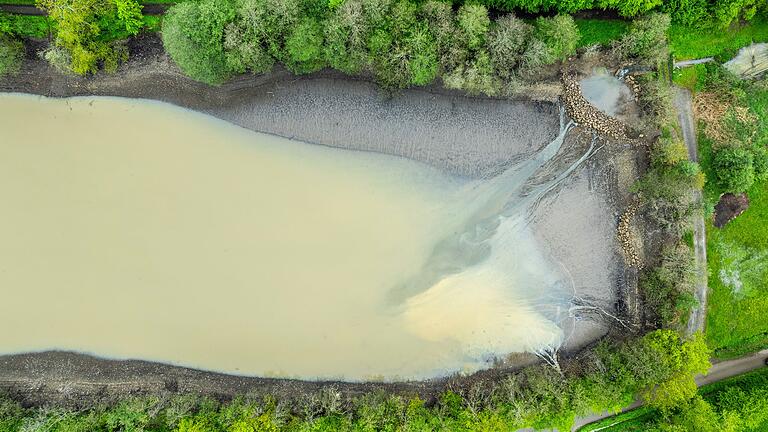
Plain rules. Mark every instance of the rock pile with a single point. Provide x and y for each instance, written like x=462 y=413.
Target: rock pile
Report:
x=584 y=113
x=626 y=239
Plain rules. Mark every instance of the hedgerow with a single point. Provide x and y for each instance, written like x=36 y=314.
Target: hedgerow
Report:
x=660 y=366
x=720 y=13
x=400 y=43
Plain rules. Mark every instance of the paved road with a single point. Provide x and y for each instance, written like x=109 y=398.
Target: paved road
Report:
x=718 y=372
x=148 y=9
x=697 y=320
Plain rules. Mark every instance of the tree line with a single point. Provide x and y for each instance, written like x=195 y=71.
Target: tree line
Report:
x=660 y=366
x=399 y=42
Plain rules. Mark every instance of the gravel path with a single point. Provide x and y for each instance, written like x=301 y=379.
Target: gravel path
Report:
x=698 y=318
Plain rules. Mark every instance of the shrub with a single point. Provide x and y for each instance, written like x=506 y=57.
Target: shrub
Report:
x=473 y=23
x=668 y=287
x=346 y=38
x=305 y=47
x=646 y=39
x=687 y=12
x=88 y=31
x=734 y=169
x=560 y=34
x=474 y=78
x=243 y=51
x=506 y=44
x=193 y=35
x=440 y=21
x=11 y=54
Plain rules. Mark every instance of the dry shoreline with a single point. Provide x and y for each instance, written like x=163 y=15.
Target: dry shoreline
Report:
x=466 y=136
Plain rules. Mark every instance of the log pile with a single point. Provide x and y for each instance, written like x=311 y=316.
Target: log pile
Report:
x=624 y=234
x=585 y=114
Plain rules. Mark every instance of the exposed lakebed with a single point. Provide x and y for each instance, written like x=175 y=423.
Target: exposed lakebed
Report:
x=136 y=229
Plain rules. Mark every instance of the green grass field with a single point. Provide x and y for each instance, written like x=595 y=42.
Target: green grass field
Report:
x=600 y=31
x=690 y=43
x=737 y=319
x=737 y=257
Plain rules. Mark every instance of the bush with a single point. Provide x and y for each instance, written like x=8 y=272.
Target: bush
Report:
x=473 y=23
x=668 y=287
x=474 y=78
x=560 y=34
x=346 y=38
x=193 y=35
x=687 y=12
x=11 y=54
x=305 y=47
x=734 y=169
x=88 y=33
x=646 y=40
x=506 y=44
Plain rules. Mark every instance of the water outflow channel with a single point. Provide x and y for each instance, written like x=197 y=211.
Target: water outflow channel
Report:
x=134 y=229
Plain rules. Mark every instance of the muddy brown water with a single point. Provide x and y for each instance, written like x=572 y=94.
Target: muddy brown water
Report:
x=135 y=229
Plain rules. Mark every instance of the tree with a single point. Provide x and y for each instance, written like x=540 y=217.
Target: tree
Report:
x=404 y=52
x=305 y=47
x=506 y=44
x=88 y=32
x=687 y=12
x=630 y=8
x=440 y=20
x=734 y=169
x=476 y=77
x=474 y=23
x=346 y=36
x=129 y=13
x=559 y=34
x=646 y=39
x=193 y=35
x=682 y=361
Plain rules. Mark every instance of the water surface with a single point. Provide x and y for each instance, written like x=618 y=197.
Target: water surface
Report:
x=135 y=229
